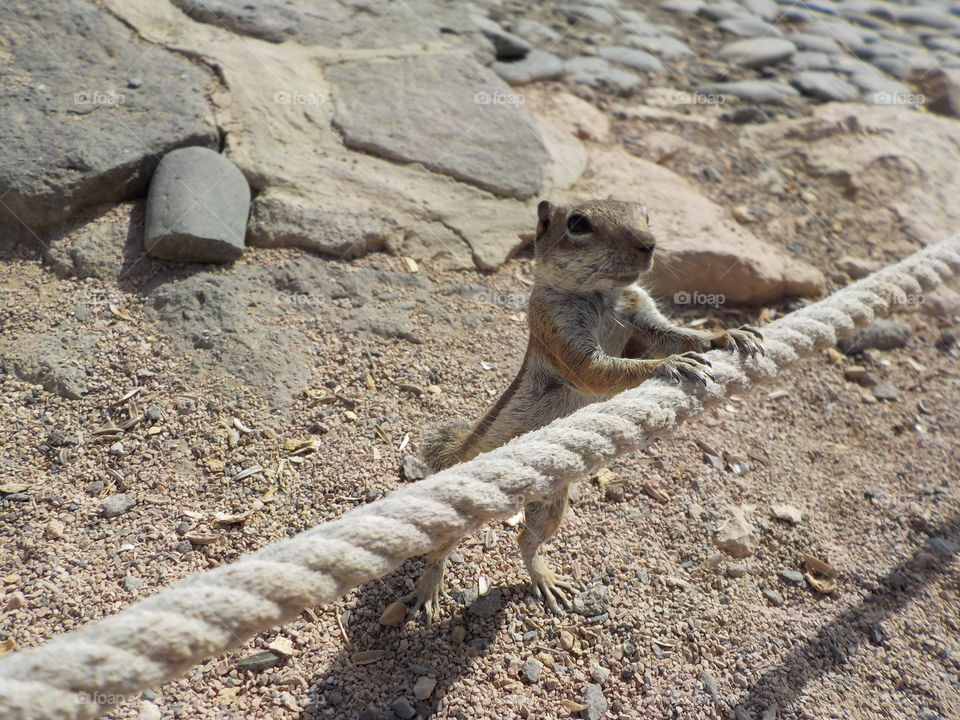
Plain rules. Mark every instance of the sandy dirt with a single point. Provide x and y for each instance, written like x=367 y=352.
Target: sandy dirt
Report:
x=672 y=627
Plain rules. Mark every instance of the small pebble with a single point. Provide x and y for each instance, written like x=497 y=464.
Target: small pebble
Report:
x=530 y=671
x=423 y=687
x=114 y=505
x=737 y=570
x=403 y=708
x=775 y=598
x=793 y=576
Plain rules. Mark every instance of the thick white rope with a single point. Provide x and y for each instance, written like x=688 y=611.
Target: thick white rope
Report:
x=161 y=637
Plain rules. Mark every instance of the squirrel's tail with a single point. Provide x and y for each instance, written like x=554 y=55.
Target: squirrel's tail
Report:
x=442 y=444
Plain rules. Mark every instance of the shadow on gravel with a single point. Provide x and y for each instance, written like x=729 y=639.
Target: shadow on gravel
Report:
x=836 y=642
x=413 y=650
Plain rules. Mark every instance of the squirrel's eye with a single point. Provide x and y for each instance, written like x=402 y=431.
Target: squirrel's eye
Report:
x=579 y=224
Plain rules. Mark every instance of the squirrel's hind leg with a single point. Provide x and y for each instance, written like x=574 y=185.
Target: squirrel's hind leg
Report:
x=429 y=588
x=541 y=521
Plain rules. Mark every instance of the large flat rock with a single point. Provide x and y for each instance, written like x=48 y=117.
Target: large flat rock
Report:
x=444 y=111
x=898 y=165
x=702 y=252
x=87 y=110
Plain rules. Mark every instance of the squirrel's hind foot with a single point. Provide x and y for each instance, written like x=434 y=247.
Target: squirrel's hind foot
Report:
x=551 y=589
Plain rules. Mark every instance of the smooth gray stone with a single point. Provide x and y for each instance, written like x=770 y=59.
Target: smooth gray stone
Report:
x=757 y=52
x=766 y=9
x=795 y=14
x=812 y=61
x=525 y=27
x=944 y=43
x=758 y=91
x=891 y=48
x=868 y=21
x=849 y=38
x=723 y=9
x=631 y=17
x=927 y=16
x=507 y=45
x=665 y=47
x=875 y=84
x=849 y=65
x=643 y=27
x=922 y=63
x=898 y=67
x=815 y=43
x=593 y=13
x=690 y=7
x=197 y=208
x=825 y=86
x=636 y=59
x=882 y=10
x=446 y=112
x=590 y=70
x=883 y=334
x=537 y=65
x=749 y=27
x=824 y=7
x=896 y=34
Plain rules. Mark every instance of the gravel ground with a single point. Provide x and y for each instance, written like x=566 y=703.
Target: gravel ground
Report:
x=666 y=632
x=669 y=626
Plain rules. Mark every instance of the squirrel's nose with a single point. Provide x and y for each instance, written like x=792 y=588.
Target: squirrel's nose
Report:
x=643 y=241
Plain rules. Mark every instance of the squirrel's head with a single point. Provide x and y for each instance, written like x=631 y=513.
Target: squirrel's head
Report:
x=598 y=245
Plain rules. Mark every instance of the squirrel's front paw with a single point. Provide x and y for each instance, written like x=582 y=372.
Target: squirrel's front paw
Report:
x=748 y=341
x=690 y=366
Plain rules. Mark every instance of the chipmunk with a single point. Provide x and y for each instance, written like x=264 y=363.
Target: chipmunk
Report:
x=594 y=331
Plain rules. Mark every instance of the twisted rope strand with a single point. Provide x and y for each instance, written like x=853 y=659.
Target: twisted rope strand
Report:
x=81 y=674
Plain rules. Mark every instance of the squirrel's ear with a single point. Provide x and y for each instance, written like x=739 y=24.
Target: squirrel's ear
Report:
x=544 y=213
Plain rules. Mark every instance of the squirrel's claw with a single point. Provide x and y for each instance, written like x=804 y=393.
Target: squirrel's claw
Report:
x=428 y=602
x=749 y=340
x=689 y=366
x=746 y=340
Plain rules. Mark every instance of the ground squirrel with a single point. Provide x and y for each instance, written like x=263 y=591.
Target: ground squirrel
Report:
x=594 y=331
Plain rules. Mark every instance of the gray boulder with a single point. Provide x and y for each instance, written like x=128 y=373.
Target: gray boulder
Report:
x=446 y=112
x=78 y=134
x=197 y=208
